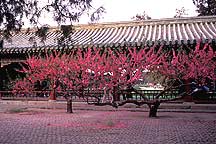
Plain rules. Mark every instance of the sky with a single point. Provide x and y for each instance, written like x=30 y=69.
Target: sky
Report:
x=124 y=10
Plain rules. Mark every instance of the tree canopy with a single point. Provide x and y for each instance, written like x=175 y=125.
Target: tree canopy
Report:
x=205 y=7
x=13 y=13
x=115 y=72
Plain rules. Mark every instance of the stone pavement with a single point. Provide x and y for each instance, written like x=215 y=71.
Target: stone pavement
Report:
x=22 y=125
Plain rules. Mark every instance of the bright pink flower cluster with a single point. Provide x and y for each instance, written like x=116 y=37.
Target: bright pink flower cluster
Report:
x=96 y=69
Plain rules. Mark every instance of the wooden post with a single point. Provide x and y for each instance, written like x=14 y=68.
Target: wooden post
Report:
x=52 y=96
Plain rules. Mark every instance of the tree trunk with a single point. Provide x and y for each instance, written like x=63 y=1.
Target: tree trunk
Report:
x=69 y=106
x=187 y=98
x=116 y=97
x=153 y=109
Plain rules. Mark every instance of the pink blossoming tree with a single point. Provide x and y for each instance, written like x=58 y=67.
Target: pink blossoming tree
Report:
x=115 y=72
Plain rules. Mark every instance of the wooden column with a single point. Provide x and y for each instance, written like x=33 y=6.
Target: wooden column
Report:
x=52 y=96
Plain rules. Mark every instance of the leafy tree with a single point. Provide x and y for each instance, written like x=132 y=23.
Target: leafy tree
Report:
x=13 y=13
x=205 y=7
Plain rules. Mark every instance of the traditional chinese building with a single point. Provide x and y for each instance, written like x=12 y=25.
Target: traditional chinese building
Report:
x=173 y=32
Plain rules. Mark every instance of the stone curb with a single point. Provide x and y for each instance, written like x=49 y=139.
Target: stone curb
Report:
x=164 y=107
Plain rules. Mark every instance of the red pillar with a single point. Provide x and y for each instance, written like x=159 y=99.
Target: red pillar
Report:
x=52 y=95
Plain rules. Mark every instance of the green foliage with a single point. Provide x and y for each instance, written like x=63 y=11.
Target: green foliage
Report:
x=13 y=13
x=42 y=32
x=156 y=77
x=9 y=73
x=66 y=30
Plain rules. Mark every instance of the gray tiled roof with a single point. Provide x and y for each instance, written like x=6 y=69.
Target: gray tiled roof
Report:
x=192 y=28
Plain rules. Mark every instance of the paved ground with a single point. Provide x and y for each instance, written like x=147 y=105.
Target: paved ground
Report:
x=48 y=126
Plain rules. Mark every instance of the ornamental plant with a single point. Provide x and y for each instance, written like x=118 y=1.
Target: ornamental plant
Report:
x=198 y=64
x=179 y=65
x=109 y=71
x=86 y=72
x=53 y=67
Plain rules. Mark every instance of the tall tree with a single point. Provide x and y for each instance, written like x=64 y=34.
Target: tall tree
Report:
x=13 y=13
x=205 y=7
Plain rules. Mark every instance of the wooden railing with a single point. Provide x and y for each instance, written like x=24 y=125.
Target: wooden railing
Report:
x=85 y=95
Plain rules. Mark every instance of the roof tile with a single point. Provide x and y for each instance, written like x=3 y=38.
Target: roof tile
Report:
x=123 y=32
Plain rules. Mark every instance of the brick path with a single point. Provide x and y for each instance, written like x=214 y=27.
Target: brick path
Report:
x=42 y=126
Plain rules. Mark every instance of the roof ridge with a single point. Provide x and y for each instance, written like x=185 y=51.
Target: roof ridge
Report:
x=137 y=23
x=182 y=30
x=195 y=18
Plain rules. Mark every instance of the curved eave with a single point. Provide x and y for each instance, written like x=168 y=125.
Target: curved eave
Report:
x=133 y=33
x=113 y=45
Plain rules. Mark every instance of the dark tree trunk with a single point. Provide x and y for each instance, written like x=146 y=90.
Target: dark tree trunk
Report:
x=153 y=109
x=187 y=88
x=69 y=106
x=115 y=94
